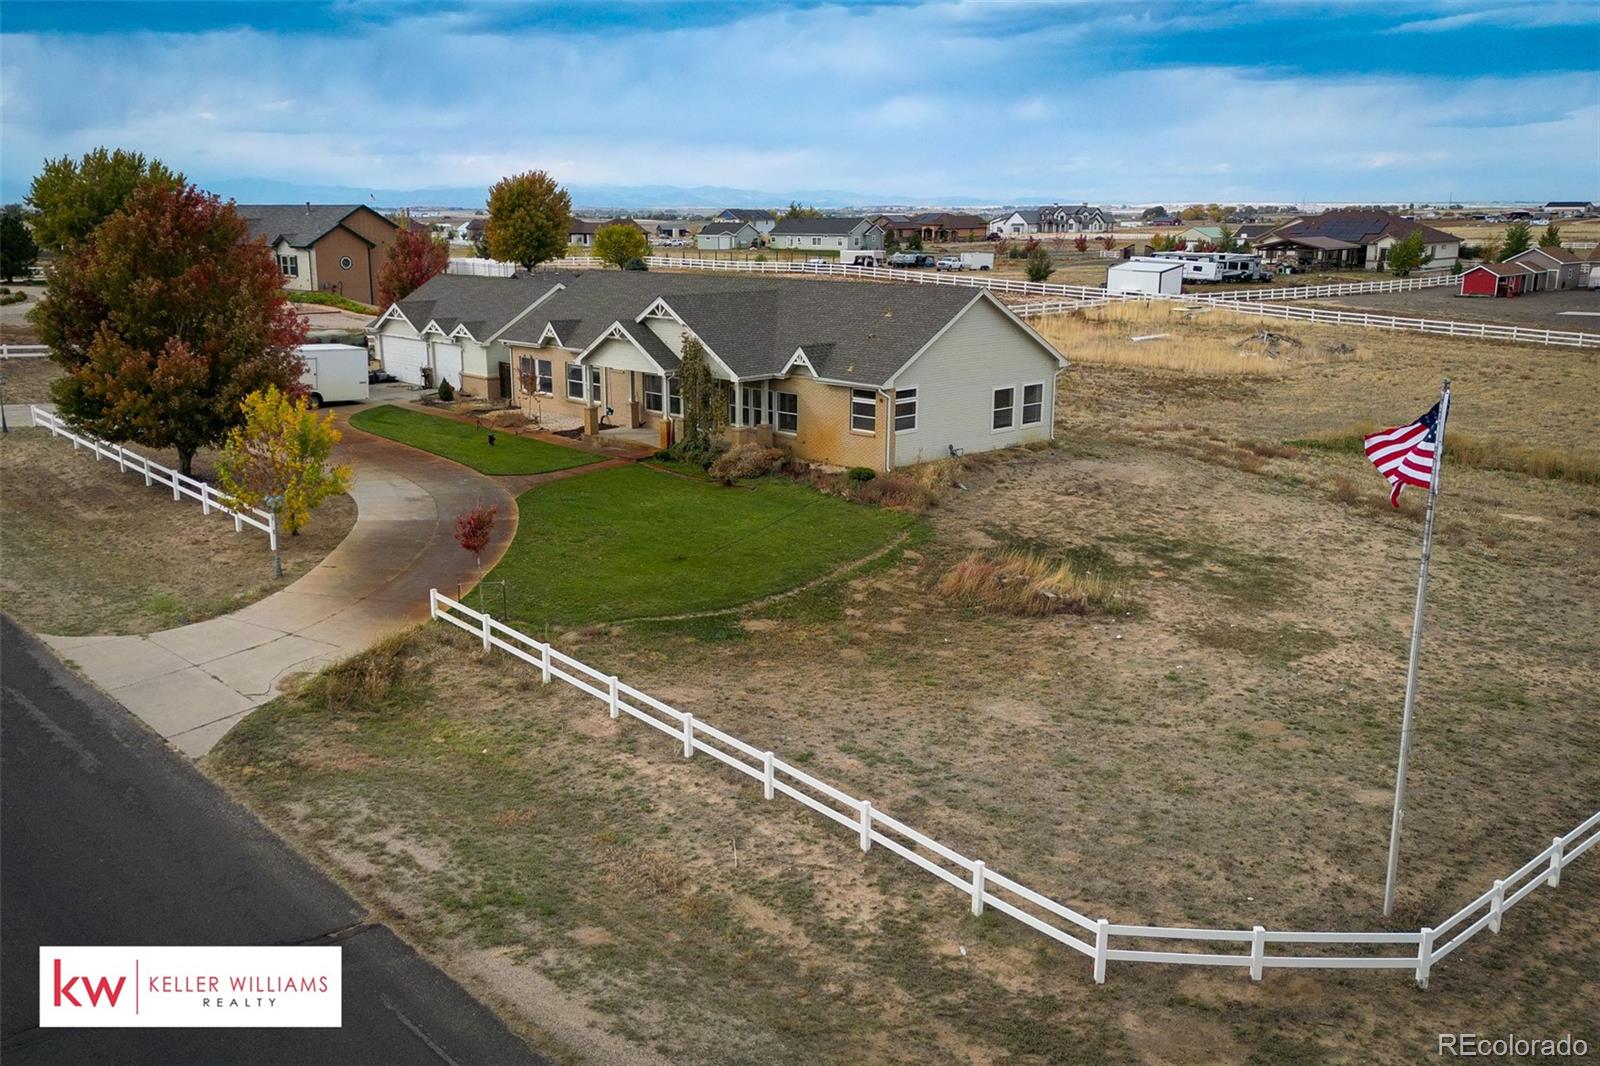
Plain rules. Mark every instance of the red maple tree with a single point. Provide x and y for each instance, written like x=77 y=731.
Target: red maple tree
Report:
x=473 y=528
x=414 y=257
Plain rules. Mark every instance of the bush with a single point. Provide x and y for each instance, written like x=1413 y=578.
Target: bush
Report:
x=896 y=492
x=1040 y=266
x=662 y=456
x=747 y=461
x=702 y=453
x=446 y=391
x=330 y=299
x=860 y=474
x=13 y=298
x=1021 y=583
x=635 y=264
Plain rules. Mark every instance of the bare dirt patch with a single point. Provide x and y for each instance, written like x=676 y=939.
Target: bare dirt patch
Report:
x=89 y=549
x=28 y=380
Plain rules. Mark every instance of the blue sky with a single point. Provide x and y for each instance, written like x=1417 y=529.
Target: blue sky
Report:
x=977 y=102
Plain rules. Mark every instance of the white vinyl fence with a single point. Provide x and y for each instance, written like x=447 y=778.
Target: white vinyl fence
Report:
x=1091 y=937
x=1242 y=301
x=489 y=268
x=24 y=351
x=155 y=474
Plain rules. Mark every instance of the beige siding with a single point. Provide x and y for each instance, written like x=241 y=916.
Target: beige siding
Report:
x=955 y=378
x=824 y=426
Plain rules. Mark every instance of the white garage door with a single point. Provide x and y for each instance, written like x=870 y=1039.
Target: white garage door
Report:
x=446 y=363
x=403 y=357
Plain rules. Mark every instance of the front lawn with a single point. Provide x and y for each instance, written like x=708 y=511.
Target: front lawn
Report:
x=469 y=445
x=633 y=542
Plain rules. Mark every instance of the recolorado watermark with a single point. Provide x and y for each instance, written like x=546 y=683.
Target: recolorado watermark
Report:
x=1511 y=1046
x=190 y=987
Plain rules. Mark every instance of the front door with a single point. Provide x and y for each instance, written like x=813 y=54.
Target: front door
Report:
x=505 y=382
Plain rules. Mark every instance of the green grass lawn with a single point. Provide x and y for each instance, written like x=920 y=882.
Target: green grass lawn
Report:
x=632 y=542
x=469 y=445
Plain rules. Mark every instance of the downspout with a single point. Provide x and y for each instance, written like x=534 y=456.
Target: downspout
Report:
x=888 y=428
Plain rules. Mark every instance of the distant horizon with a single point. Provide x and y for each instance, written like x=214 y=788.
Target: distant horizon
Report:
x=916 y=103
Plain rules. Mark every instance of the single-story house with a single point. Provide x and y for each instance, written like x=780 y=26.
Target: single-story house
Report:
x=761 y=219
x=1496 y=279
x=847 y=374
x=1354 y=240
x=336 y=248
x=1250 y=232
x=724 y=236
x=671 y=230
x=1015 y=223
x=929 y=226
x=836 y=234
x=1555 y=268
x=1569 y=208
x=581 y=231
x=1194 y=235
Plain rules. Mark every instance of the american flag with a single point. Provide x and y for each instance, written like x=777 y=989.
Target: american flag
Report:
x=1405 y=455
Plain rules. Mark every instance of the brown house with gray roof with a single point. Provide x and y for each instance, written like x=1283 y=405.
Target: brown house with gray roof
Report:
x=337 y=248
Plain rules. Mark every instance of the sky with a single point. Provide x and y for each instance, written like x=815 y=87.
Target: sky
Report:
x=947 y=103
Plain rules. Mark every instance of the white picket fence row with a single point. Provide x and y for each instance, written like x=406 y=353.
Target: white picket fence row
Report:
x=1477 y=330
x=155 y=474
x=1091 y=937
x=486 y=268
x=1351 y=288
x=24 y=351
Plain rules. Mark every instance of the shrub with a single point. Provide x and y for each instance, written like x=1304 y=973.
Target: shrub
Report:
x=1021 y=583
x=701 y=453
x=447 y=392
x=747 y=461
x=859 y=474
x=1040 y=266
x=896 y=492
x=635 y=264
x=13 y=298
x=662 y=456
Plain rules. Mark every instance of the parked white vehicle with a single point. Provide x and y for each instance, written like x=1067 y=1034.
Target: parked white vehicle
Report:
x=977 y=260
x=334 y=373
x=861 y=257
x=949 y=262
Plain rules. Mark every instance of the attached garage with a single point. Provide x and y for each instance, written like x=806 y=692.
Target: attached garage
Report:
x=446 y=362
x=404 y=357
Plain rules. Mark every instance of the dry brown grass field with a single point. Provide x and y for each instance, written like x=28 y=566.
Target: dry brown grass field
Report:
x=1213 y=744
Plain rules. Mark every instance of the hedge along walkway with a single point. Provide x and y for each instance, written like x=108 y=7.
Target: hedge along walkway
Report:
x=468 y=444
x=633 y=542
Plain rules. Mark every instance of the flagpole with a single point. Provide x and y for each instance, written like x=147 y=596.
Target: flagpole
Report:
x=1416 y=652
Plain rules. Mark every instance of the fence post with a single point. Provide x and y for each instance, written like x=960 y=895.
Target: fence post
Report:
x=688 y=735
x=611 y=683
x=1100 y=952
x=1258 y=951
x=272 y=530
x=1557 y=846
x=544 y=664
x=433 y=604
x=766 y=775
x=205 y=498
x=866 y=826
x=1424 y=957
x=977 y=887
x=175 y=485
x=484 y=619
x=1497 y=905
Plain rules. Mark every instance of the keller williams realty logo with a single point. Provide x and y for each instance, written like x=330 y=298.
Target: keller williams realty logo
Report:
x=186 y=987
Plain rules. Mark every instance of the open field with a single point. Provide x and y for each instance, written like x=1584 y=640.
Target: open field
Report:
x=468 y=445
x=90 y=550
x=1540 y=310
x=28 y=380
x=636 y=542
x=1219 y=752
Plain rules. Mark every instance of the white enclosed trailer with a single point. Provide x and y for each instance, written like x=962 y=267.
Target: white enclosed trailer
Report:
x=334 y=373
x=1157 y=277
x=977 y=260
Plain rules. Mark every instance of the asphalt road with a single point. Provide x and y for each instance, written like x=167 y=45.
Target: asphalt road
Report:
x=107 y=837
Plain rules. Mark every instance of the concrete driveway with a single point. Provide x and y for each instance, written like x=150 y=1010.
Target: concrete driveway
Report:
x=193 y=683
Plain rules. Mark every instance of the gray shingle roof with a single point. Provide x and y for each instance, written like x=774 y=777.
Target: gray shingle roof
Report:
x=483 y=304
x=723 y=227
x=860 y=332
x=807 y=226
x=302 y=225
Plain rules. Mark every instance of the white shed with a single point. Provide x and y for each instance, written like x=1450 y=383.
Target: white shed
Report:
x=1159 y=278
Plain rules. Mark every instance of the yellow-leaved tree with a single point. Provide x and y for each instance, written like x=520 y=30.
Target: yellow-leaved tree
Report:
x=280 y=459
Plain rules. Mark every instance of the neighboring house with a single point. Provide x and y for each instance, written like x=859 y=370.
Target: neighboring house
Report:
x=762 y=220
x=449 y=330
x=671 y=230
x=826 y=234
x=1554 y=268
x=936 y=226
x=1015 y=223
x=1353 y=240
x=723 y=236
x=1201 y=235
x=1165 y=220
x=336 y=248
x=473 y=229
x=1251 y=232
x=848 y=374
x=581 y=231
x=1569 y=208
x=1055 y=218
x=1496 y=279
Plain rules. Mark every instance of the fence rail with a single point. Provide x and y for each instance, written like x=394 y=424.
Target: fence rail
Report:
x=983 y=887
x=1446 y=327
x=182 y=485
x=24 y=351
x=1343 y=288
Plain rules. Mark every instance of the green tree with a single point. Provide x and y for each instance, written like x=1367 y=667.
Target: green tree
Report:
x=702 y=414
x=282 y=449
x=530 y=217
x=71 y=197
x=1039 y=265
x=166 y=321
x=1408 y=254
x=1227 y=241
x=915 y=243
x=18 y=252
x=798 y=210
x=619 y=242
x=1152 y=212
x=1518 y=239
x=1551 y=237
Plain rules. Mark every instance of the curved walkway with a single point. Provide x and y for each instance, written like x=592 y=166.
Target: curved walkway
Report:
x=193 y=683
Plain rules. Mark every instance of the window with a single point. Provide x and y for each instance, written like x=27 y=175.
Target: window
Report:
x=1032 y=404
x=574 y=381
x=1005 y=401
x=816 y=240
x=750 y=400
x=289 y=265
x=535 y=375
x=344 y=263
x=652 y=392
x=594 y=384
x=674 y=397
x=863 y=411
x=905 y=410
x=788 y=412
x=547 y=377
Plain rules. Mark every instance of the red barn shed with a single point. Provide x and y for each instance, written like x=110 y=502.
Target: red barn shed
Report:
x=1495 y=279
